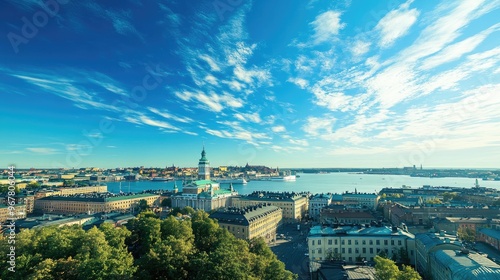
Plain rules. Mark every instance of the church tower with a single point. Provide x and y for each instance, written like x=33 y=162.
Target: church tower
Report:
x=203 y=167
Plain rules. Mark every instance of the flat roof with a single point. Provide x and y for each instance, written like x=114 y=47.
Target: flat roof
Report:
x=242 y=216
x=358 y=231
x=93 y=198
x=491 y=232
x=468 y=266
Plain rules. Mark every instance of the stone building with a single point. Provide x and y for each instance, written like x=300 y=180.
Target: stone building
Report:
x=250 y=222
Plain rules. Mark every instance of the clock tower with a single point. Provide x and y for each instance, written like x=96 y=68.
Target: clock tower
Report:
x=203 y=167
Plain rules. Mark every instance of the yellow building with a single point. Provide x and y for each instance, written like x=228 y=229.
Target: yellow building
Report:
x=19 y=212
x=93 y=203
x=250 y=222
x=294 y=205
x=71 y=191
x=223 y=168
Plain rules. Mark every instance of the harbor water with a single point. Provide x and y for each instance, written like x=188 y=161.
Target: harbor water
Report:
x=318 y=183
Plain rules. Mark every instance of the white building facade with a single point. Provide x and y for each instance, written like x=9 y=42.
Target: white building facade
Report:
x=355 y=244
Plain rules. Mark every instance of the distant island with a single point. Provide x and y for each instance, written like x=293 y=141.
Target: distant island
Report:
x=493 y=175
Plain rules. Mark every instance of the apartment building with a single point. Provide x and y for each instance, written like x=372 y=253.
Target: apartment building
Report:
x=318 y=202
x=250 y=222
x=71 y=191
x=93 y=203
x=463 y=265
x=370 y=200
x=294 y=205
x=17 y=212
x=428 y=243
x=490 y=236
x=356 y=243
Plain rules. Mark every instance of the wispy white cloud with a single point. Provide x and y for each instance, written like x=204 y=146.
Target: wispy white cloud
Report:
x=444 y=28
x=457 y=50
x=214 y=66
x=152 y=122
x=212 y=101
x=327 y=26
x=300 y=142
x=42 y=151
x=278 y=128
x=317 y=126
x=234 y=130
x=168 y=115
x=248 y=117
x=360 y=47
x=300 y=82
x=396 y=24
x=67 y=88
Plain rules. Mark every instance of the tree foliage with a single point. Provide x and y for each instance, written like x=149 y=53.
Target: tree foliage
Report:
x=69 y=253
x=147 y=248
x=467 y=234
x=408 y=273
x=386 y=269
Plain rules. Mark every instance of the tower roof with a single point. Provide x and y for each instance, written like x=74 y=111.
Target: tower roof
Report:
x=203 y=158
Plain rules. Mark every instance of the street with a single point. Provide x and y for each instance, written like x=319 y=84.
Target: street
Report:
x=292 y=249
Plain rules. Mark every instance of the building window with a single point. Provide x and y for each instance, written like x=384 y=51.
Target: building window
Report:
x=312 y=252
x=343 y=250
x=319 y=251
x=349 y=251
x=376 y=242
x=355 y=242
x=349 y=242
x=392 y=242
x=329 y=242
x=364 y=242
x=335 y=241
x=319 y=242
x=371 y=250
x=399 y=242
x=312 y=242
x=336 y=250
x=386 y=242
x=371 y=242
x=357 y=250
x=342 y=242
x=364 y=250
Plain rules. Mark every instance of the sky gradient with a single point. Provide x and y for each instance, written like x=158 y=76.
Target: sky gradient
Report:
x=276 y=83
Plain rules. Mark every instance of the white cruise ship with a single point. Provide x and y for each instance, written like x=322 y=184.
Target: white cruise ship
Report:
x=232 y=181
x=288 y=178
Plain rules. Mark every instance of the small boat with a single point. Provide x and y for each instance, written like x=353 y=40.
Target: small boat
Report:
x=161 y=179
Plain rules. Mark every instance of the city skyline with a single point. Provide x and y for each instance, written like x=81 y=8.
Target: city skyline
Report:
x=286 y=83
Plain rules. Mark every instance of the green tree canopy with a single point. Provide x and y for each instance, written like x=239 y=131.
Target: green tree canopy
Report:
x=147 y=248
x=385 y=269
x=408 y=273
x=69 y=253
x=467 y=234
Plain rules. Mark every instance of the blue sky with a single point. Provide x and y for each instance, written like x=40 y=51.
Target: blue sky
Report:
x=276 y=83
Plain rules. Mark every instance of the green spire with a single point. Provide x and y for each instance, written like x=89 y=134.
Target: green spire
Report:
x=203 y=158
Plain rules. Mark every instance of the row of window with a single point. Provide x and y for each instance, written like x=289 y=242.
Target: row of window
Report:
x=356 y=242
x=350 y=250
